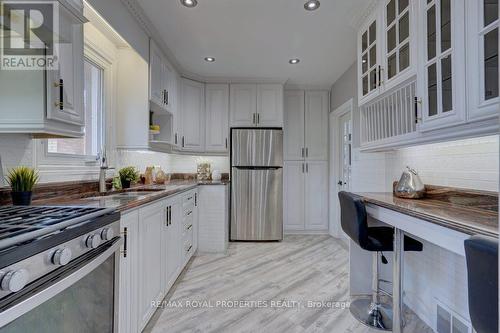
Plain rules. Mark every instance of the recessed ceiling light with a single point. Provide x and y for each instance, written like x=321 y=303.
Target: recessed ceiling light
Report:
x=312 y=5
x=294 y=61
x=189 y=3
x=209 y=59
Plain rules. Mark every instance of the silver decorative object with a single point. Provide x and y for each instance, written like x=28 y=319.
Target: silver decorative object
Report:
x=410 y=185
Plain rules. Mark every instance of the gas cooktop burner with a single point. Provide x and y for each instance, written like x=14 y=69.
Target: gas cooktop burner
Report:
x=21 y=224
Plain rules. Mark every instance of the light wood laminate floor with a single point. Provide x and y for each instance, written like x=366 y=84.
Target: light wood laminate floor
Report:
x=302 y=268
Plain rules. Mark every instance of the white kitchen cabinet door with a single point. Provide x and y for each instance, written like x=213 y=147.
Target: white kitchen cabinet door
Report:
x=243 y=105
x=168 y=82
x=399 y=32
x=316 y=195
x=156 y=73
x=193 y=122
x=217 y=118
x=482 y=59
x=173 y=252
x=270 y=105
x=65 y=86
x=293 y=198
x=442 y=64
x=369 y=54
x=294 y=126
x=128 y=286
x=316 y=125
x=151 y=259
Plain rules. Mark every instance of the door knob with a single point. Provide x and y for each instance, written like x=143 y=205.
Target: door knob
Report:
x=340 y=183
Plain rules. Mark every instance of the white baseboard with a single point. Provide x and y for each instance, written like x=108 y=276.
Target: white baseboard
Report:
x=306 y=232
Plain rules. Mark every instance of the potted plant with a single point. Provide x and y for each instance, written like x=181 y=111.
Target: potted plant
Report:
x=21 y=181
x=128 y=175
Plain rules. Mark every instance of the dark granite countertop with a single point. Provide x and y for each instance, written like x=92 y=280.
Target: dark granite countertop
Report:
x=121 y=201
x=468 y=211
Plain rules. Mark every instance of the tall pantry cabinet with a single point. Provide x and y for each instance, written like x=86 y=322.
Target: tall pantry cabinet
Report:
x=306 y=161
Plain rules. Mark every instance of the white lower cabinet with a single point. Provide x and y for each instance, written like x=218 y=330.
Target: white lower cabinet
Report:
x=306 y=196
x=154 y=253
x=127 y=285
x=151 y=256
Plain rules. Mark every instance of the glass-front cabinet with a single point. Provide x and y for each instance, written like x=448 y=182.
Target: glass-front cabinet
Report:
x=399 y=50
x=386 y=48
x=441 y=96
x=482 y=62
x=369 y=79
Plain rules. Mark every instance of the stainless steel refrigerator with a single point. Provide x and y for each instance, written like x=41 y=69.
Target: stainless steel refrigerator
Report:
x=256 y=184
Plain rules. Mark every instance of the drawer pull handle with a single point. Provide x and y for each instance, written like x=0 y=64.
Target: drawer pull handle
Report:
x=189 y=248
x=189 y=227
x=189 y=213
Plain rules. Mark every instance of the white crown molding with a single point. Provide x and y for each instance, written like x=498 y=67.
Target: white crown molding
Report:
x=361 y=16
x=324 y=87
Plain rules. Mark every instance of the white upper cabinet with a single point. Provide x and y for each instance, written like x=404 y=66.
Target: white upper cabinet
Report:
x=243 y=105
x=442 y=64
x=294 y=125
x=217 y=117
x=306 y=125
x=48 y=102
x=192 y=118
x=399 y=51
x=316 y=125
x=270 y=105
x=65 y=102
x=256 y=105
x=162 y=81
x=369 y=45
x=482 y=62
x=386 y=48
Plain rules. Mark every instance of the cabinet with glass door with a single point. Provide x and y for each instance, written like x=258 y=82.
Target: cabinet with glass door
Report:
x=368 y=59
x=441 y=73
x=482 y=61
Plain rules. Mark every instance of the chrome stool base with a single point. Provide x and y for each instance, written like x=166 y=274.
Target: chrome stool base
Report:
x=378 y=316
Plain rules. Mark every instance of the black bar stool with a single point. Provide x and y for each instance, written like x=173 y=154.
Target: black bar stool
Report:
x=353 y=218
x=481 y=253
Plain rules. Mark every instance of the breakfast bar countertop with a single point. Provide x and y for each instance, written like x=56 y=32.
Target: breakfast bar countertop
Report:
x=468 y=211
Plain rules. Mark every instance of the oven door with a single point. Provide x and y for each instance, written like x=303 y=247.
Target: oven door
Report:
x=78 y=297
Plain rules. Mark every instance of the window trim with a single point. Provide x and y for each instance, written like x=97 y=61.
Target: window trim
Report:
x=59 y=165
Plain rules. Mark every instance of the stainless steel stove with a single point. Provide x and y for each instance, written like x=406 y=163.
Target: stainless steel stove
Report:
x=52 y=256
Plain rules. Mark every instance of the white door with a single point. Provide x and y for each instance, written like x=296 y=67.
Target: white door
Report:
x=316 y=125
x=243 y=105
x=151 y=251
x=294 y=125
x=442 y=65
x=270 y=105
x=369 y=68
x=293 y=198
x=156 y=84
x=167 y=79
x=193 y=104
x=128 y=285
x=316 y=195
x=217 y=118
x=65 y=86
x=345 y=152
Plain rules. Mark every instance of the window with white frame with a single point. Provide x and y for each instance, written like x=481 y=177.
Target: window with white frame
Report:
x=90 y=144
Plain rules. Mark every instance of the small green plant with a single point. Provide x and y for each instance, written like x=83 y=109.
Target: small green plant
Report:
x=22 y=179
x=129 y=174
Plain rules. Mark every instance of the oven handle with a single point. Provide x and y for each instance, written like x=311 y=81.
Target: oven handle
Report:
x=17 y=310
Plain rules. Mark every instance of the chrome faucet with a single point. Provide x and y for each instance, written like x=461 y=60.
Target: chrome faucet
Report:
x=102 y=171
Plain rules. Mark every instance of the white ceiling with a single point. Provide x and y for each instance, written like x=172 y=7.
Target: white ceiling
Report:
x=256 y=38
